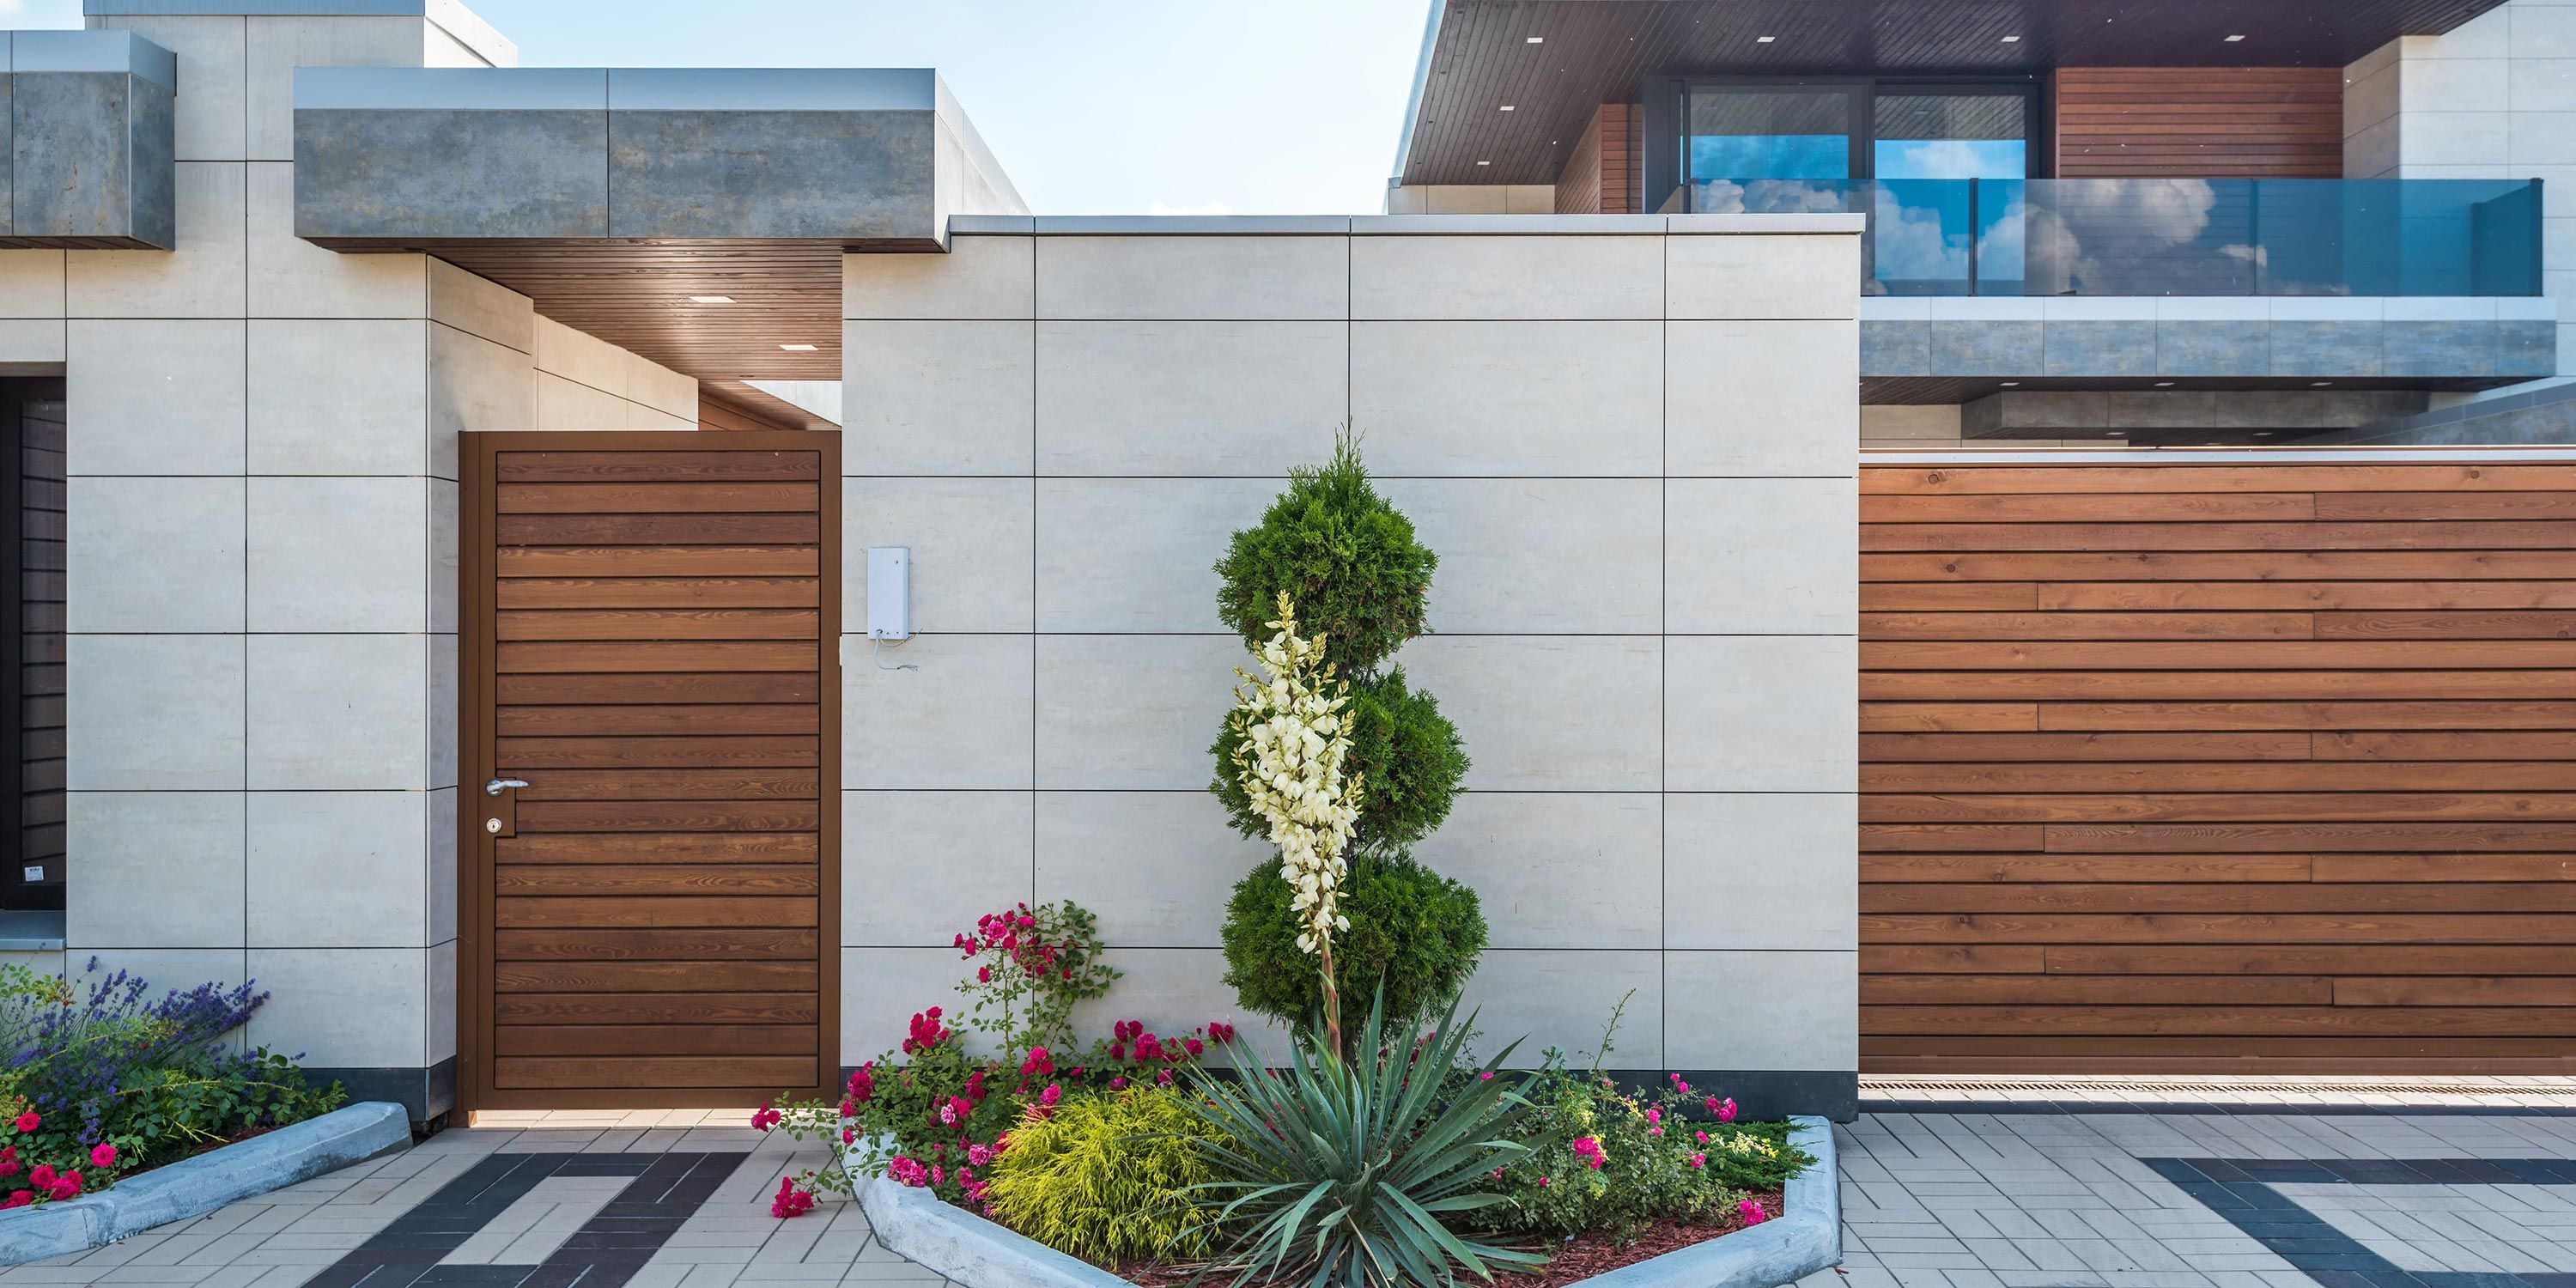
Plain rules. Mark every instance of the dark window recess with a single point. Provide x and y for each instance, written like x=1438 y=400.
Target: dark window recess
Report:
x=31 y=644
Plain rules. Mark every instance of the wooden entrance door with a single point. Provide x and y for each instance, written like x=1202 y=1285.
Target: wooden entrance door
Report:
x=649 y=773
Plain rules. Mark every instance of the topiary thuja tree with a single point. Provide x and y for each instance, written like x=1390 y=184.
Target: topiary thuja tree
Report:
x=1357 y=577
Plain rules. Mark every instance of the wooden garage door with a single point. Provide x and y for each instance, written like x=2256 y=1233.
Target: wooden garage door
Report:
x=650 y=623
x=2176 y=767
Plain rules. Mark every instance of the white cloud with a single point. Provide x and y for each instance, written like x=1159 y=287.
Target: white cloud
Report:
x=1159 y=207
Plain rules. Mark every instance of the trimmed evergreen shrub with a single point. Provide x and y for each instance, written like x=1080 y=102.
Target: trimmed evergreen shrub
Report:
x=1346 y=558
x=1408 y=755
x=1413 y=932
x=1107 y=1178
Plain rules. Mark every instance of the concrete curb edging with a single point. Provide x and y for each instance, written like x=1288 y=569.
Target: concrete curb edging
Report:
x=196 y=1186
x=1801 y=1241
x=971 y=1250
x=966 y=1247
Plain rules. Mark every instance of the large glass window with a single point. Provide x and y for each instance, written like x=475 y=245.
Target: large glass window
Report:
x=1910 y=156
x=1935 y=231
x=1771 y=149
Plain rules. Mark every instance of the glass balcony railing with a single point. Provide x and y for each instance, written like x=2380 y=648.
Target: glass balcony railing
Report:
x=2170 y=236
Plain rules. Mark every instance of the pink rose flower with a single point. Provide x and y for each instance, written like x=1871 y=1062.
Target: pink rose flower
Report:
x=1752 y=1212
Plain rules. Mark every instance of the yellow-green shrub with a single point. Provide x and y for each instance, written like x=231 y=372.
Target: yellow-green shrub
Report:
x=1107 y=1178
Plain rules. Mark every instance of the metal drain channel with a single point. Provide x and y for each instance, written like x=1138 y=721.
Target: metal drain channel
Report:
x=2277 y=1086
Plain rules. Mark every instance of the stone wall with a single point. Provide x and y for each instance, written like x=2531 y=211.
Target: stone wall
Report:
x=1630 y=441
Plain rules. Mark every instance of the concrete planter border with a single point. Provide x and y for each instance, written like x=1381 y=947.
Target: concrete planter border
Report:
x=196 y=1186
x=971 y=1250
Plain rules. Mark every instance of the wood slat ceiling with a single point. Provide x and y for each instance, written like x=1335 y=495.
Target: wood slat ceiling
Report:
x=636 y=295
x=1599 y=51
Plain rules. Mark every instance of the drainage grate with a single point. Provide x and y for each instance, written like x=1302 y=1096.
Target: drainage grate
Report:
x=2272 y=1086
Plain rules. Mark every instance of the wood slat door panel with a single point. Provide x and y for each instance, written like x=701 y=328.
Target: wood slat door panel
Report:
x=2198 y=768
x=651 y=645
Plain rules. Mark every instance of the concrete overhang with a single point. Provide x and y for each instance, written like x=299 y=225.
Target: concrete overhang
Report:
x=621 y=200
x=89 y=140
x=416 y=157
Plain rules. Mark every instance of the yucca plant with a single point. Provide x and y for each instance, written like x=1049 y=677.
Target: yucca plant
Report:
x=1336 y=1174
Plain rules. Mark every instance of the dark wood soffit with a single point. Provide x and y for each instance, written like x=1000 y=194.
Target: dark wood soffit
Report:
x=1602 y=51
x=635 y=295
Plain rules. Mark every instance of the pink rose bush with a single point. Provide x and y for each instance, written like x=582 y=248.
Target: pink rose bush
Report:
x=1605 y=1156
x=938 y=1110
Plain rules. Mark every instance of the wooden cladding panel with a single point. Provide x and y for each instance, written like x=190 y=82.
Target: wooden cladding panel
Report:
x=32 y=697
x=1602 y=174
x=2204 y=768
x=2199 y=122
x=656 y=659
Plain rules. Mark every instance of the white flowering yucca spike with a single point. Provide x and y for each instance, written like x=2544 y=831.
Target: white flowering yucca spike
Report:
x=1294 y=742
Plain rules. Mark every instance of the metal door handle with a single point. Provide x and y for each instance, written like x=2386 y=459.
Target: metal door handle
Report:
x=495 y=787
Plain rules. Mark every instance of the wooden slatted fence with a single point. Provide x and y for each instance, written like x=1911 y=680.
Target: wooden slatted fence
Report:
x=2185 y=767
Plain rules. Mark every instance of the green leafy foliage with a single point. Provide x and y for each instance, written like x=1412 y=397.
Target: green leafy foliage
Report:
x=1603 y=1157
x=168 y=1111
x=1606 y=1158
x=1343 y=554
x=1407 y=755
x=1414 y=936
x=1340 y=1175
x=1107 y=1178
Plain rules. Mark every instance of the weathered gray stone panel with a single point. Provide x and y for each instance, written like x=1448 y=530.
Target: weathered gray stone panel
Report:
x=1981 y=348
x=2526 y=348
x=2440 y=349
x=848 y=176
x=432 y=173
x=1895 y=348
x=2088 y=348
x=2325 y=348
x=2196 y=347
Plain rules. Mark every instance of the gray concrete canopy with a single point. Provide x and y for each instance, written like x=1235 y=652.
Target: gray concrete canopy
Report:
x=860 y=157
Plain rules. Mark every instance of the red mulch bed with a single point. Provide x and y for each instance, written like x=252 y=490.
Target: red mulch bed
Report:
x=1569 y=1262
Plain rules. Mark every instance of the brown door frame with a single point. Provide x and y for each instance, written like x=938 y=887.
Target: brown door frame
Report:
x=478 y=530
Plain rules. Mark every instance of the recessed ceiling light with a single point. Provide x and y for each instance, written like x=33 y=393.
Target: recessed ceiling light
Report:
x=2117 y=433
x=1484 y=163
x=800 y=348
x=2234 y=39
x=2012 y=384
x=1764 y=40
x=2164 y=384
x=2262 y=433
x=2012 y=40
x=710 y=299
x=2320 y=384
x=1507 y=107
x=1538 y=40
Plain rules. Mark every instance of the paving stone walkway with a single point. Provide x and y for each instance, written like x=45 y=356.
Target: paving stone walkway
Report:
x=1959 y=1189
x=612 y=1199
x=2185 y=1190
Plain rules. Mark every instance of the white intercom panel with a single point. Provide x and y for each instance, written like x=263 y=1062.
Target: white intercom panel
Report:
x=889 y=592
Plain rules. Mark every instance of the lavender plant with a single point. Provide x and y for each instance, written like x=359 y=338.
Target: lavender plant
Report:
x=108 y=1062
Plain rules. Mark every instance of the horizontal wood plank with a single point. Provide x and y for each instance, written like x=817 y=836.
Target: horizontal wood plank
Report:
x=2206 y=766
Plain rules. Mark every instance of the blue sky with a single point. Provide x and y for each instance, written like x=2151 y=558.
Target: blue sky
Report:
x=1094 y=106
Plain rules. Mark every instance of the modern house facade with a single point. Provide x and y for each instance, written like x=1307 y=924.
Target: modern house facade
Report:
x=527 y=766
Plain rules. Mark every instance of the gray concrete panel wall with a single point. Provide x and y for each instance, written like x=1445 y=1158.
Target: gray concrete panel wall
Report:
x=2463 y=341
x=1634 y=454
x=89 y=140
x=829 y=175
x=435 y=174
